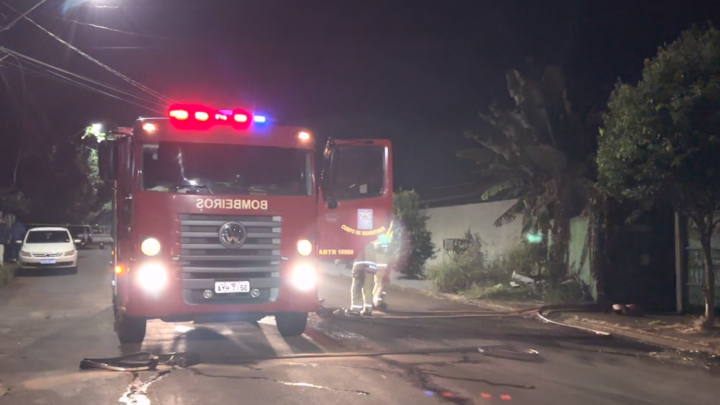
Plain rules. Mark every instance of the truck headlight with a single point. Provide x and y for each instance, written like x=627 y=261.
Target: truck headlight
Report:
x=152 y=277
x=304 y=277
x=304 y=247
x=150 y=247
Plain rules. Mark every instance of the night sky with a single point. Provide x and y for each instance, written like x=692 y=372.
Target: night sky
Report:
x=416 y=72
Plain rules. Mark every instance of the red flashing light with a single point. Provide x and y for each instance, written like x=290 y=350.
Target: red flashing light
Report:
x=198 y=117
x=179 y=114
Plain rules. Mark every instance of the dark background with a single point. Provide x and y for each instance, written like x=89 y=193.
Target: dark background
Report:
x=416 y=72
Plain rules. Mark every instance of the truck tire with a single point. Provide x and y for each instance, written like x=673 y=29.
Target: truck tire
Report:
x=291 y=323
x=128 y=329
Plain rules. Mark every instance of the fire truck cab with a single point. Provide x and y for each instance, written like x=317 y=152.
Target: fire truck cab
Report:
x=222 y=216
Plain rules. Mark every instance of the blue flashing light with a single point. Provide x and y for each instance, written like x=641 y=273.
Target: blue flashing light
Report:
x=260 y=119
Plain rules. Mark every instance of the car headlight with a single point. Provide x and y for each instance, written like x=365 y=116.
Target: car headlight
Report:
x=150 y=247
x=70 y=252
x=152 y=277
x=304 y=277
x=25 y=254
x=304 y=247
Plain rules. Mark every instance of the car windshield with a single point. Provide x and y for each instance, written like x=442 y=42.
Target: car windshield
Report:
x=47 y=237
x=76 y=230
x=226 y=169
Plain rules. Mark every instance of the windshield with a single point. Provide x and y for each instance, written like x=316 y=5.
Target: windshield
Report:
x=358 y=172
x=76 y=230
x=226 y=169
x=47 y=237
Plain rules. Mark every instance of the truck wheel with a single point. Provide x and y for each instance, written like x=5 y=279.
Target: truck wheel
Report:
x=292 y=323
x=128 y=329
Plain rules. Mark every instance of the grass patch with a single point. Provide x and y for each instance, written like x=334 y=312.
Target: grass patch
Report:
x=473 y=275
x=7 y=273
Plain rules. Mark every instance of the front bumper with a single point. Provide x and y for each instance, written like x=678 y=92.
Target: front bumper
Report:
x=42 y=262
x=182 y=299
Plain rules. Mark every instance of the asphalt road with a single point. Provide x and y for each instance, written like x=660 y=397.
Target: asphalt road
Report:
x=48 y=323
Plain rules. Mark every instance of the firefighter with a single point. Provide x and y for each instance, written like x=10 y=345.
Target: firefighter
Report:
x=369 y=267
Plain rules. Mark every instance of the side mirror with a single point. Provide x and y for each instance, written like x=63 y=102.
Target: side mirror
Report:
x=107 y=160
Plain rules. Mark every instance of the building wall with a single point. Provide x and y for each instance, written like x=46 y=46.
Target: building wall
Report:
x=696 y=266
x=578 y=237
x=453 y=222
x=479 y=218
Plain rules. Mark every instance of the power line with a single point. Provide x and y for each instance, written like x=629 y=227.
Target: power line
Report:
x=90 y=58
x=113 y=29
x=93 y=81
x=53 y=72
x=55 y=75
x=21 y=16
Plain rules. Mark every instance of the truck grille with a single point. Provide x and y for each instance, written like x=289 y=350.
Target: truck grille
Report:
x=205 y=260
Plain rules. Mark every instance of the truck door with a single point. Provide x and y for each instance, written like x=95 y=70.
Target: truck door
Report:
x=356 y=196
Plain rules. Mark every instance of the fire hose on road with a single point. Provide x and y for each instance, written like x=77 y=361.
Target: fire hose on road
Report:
x=542 y=313
x=142 y=361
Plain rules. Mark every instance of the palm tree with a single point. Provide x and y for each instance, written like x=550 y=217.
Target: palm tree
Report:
x=541 y=156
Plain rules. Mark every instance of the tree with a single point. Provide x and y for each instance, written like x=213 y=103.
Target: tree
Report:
x=14 y=202
x=62 y=181
x=661 y=138
x=416 y=245
x=542 y=158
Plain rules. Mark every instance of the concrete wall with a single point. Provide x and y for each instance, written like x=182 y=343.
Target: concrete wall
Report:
x=453 y=222
x=578 y=237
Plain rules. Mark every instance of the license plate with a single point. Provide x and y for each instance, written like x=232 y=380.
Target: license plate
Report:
x=225 y=287
x=47 y=261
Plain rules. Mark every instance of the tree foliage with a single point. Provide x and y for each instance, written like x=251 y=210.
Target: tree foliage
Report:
x=541 y=158
x=14 y=202
x=416 y=246
x=62 y=182
x=661 y=137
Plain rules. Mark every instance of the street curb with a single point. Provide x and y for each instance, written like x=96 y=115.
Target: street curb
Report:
x=658 y=340
x=645 y=337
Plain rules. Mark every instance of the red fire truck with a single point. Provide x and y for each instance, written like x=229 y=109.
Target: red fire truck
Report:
x=220 y=215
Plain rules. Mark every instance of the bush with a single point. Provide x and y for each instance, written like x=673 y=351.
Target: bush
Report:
x=467 y=269
x=473 y=270
x=416 y=245
x=568 y=292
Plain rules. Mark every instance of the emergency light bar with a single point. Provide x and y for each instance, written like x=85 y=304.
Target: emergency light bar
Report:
x=201 y=117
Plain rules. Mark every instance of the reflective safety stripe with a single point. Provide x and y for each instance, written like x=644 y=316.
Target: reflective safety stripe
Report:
x=372 y=264
x=356 y=307
x=368 y=305
x=381 y=266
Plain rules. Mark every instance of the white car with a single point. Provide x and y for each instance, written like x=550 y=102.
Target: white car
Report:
x=48 y=248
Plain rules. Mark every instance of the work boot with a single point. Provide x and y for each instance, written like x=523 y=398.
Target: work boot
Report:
x=352 y=312
x=366 y=312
